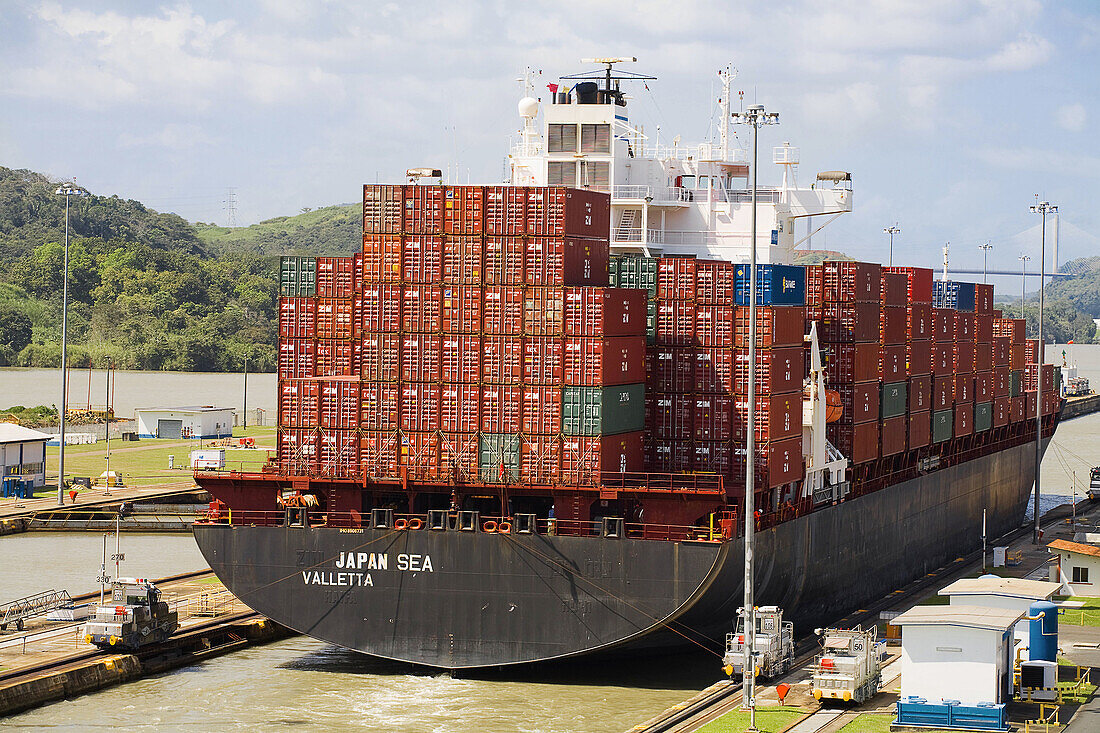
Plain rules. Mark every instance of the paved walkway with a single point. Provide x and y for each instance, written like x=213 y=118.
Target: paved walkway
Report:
x=17 y=508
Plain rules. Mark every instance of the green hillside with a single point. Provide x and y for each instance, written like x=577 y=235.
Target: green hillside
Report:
x=333 y=231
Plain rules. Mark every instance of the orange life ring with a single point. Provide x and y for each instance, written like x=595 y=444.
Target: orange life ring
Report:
x=400 y=524
x=415 y=523
x=504 y=528
x=489 y=526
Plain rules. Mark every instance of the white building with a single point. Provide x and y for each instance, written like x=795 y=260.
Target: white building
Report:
x=23 y=453
x=202 y=421
x=1014 y=594
x=959 y=653
x=1078 y=567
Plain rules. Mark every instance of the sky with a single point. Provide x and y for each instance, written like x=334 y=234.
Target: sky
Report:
x=950 y=114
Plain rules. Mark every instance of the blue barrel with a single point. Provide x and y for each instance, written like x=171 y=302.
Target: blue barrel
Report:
x=1043 y=645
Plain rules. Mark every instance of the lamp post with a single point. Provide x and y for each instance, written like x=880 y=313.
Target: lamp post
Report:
x=244 y=408
x=985 y=260
x=1043 y=207
x=1023 y=280
x=754 y=116
x=892 y=231
x=67 y=190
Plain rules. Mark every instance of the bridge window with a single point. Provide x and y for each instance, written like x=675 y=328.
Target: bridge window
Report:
x=562 y=138
x=561 y=173
x=596 y=138
x=596 y=175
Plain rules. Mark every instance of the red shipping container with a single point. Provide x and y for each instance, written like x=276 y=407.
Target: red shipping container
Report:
x=919 y=281
x=337 y=358
x=379 y=406
x=461 y=309
x=338 y=453
x=1017 y=356
x=712 y=417
x=462 y=260
x=503 y=257
x=335 y=277
x=668 y=456
x=963 y=356
x=778 y=370
x=502 y=312
x=297 y=318
x=505 y=210
x=713 y=371
x=815 y=284
x=675 y=322
x=543 y=360
x=540 y=459
x=676 y=278
x=460 y=359
x=964 y=388
x=920 y=393
x=894 y=324
x=422 y=308
x=943 y=359
x=422 y=259
x=860 y=401
x=420 y=455
x=858 y=442
x=895 y=288
x=1001 y=382
x=852 y=282
x=983 y=299
x=1002 y=350
x=851 y=321
x=1014 y=328
x=501 y=361
x=848 y=363
x=381 y=258
x=983 y=328
x=420 y=358
x=1030 y=397
x=606 y=312
x=597 y=362
x=919 y=321
x=714 y=282
x=334 y=318
x=919 y=357
x=463 y=210
x=380 y=357
x=894 y=362
x=420 y=406
x=459 y=408
x=894 y=435
x=964 y=419
x=298 y=404
x=920 y=429
x=383 y=206
x=1019 y=408
x=669 y=415
x=544 y=311
x=583 y=459
x=1002 y=411
x=378 y=453
x=1051 y=403
x=943 y=325
x=943 y=392
x=458 y=454
x=381 y=308
x=559 y=261
x=777 y=416
x=297 y=450
x=785 y=462
x=357 y=272
x=670 y=369
x=964 y=327
x=297 y=359
x=712 y=456
x=339 y=404
x=568 y=212
x=423 y=210
x=714 y=325
x=983 y=357
x=775 y=326
x=541 y=410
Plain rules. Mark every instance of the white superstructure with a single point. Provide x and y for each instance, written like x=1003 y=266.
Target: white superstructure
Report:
x=667 y=197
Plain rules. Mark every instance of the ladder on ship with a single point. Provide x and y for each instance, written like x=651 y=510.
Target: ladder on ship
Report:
x=22 y=609
x=629 y=230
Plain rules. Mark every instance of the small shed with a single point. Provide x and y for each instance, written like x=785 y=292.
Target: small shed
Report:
x=201 y=421
x=1078 y=567
x=959 y=653
x=23 y=454
x=1016 y=594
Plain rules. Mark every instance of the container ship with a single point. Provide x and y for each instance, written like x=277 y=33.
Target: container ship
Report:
x=512 y=427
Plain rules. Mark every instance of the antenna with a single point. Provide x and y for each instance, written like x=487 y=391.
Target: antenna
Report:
x=727 y=75
x=946 y=249
x=230 y=206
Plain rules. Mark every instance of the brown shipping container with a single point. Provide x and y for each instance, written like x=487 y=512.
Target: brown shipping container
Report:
x=337 y=358
x=1030 y=397
x=541 y=410
x=714 y=371
x=919 y=357
x=667 y=456
x=670 y=368
x=919 y=321
x=983 y=299
x=712 y=417
x=383 y=206
x=778 y=370
x=983 y=386
x=568 y=212
x=1001 y=384
x=420 y=406
x=544 y=311
x=964 y=419
x=422 y=259
x=1002 y=411
x=339 y=404
x=847 y=282
x=1017 y=356
x=543 y=360
x=859 y=442
x=775 y=326
x=501 y=408
x=712 y=456
x=964 y=388
x=561 y=261
x=501 y=362
x=335 y=318
x=964 y=327
x=943 y=393
x=894 y=324
x=777 y=416
x=963 y=357
x=298 y=404
x=461 y=309
x=378 y=453
x=378 y=409
x=1019 y=408
x=983 y=328
x=420 y=455
x=420 y=358
x=338 y=453
x=860 y=401
x=463 y=210
x=462 y=260
x=919 y=282
x=675 y=322
x=335 y=277
x=1002 y=351
x=785 y=462
x=381 y=308
x=505 y=210
x=458 y=454
x=920 y=429
x=983 y=357
x=895 y=288
x=943 y=359
x=605 y=312
x=815 y=284
x=460 y=358
x=943 y=325
x=669 y=415
x=894 y=363
x=848 y=363
x=894 y=436
x=297 y=450
x=540 y=459
x=714 y=325
x=920 y=393
x=1014 y=328
x=583 y=459
x=502 y=310
x=381 y=258
x=714 y=282
x=380 y=357
x=423 y=207
x=297 y=318
x=676 y=278
x=597 y=362
x=851 y=321
x=502 y=258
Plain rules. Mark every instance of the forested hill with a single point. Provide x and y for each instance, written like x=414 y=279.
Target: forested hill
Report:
x=147 y=290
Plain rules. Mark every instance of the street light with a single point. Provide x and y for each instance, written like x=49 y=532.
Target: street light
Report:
x=892 y=231
x=1044 y=208
x=985 y=260
x=67 y=190
x=1023 y=280
x=754 y=116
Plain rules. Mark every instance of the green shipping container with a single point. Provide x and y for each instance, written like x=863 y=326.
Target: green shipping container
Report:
x=894 y=398
x=636 y=271
x=498 y=457
x=651 y=322
x=298 y=277
x=983 y=416
x=595 y=411
x=1015 y=383
x=943 y=425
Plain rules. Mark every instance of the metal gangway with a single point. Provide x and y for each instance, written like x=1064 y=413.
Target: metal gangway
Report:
x=39 y=604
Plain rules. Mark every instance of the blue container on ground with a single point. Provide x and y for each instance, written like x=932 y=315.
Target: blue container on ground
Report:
x=775 y=285
x=948 y=714
x=1043 y=642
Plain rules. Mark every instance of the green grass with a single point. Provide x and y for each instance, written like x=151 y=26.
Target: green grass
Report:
x=1087 y=615
x=325 y=226
x=1081 y=696
x=768 y=720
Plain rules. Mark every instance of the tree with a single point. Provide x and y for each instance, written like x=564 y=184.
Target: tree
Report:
x=16 y=328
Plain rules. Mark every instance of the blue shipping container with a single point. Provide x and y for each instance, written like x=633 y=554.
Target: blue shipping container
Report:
x=775 y=285
x=956 y=295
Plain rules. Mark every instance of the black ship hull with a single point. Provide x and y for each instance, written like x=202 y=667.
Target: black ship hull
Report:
x=454 y=600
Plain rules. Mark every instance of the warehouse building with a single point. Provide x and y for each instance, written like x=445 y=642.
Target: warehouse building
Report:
x=22 y=454
x=202 y=421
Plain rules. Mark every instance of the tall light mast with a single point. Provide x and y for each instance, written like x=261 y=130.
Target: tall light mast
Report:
x=1044 y=208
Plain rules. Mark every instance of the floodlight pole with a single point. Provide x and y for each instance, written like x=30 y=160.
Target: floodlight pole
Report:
x=1023 y=280
x=892 y=231
x=985 y=260
x=1043 y=208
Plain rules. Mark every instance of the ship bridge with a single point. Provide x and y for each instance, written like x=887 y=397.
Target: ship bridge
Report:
x=667 y=197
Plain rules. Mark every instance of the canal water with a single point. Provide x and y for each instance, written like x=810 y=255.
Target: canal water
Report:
x=304 y=684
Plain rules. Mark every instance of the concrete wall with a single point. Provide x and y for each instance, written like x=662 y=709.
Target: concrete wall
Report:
x=952 y=663
x=1067 y=561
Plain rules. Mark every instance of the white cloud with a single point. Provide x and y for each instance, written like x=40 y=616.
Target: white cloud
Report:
x=172 y=136
x=1035 y=160
x=1072 y=117
x=1026 y=52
